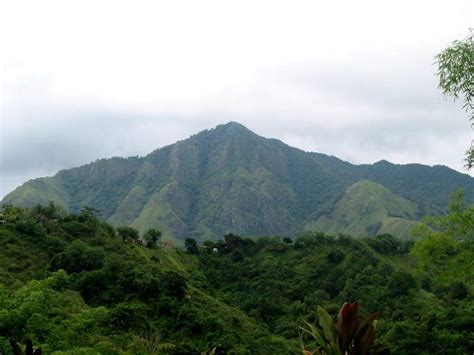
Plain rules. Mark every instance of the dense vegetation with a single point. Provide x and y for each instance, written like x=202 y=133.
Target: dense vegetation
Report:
x=281 y=285
x=230 y=180
x=72 y=283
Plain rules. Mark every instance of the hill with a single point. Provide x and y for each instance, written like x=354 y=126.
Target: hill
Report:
x=230 y=180
x=72 y=285
x=368 y=209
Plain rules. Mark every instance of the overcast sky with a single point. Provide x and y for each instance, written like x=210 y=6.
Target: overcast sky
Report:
x=82 y=80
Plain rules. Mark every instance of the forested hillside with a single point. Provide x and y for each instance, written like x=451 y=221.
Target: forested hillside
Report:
x=73 y=284
x=230 y=180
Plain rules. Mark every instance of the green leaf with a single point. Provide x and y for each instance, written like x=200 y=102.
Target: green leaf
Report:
x=327 y=323
x=318 y=335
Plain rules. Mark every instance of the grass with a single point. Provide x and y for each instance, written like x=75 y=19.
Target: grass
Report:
x=367 y=209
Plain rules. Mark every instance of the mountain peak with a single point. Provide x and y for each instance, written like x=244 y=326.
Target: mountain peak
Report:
x=226 y=131
x=232 y=127
x=232 y=124
x=383 y=162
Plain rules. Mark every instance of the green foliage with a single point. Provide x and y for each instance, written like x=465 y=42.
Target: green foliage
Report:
x=435 y=249
x=281 y=286
x=401 y=283
x=456 y=78
x=152 y=237
x=335 y=256
x=441 y=238
x=90 y=212
x=128 y=234
x=445 y=250
x=70 y=285
x=459 y=223
x=78 y=257
x=456 y=71
x=389 y=245
x=83 y=290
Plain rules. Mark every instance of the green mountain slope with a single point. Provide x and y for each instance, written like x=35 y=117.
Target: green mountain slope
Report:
x=230 y=180
x=39 y=191
x=367 y=209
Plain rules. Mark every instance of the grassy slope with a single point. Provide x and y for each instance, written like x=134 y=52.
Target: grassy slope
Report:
x=38 y=191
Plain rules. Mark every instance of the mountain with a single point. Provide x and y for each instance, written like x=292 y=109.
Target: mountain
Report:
x=230 y=180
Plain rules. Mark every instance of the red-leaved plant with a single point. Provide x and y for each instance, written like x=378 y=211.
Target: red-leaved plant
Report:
x=349 y=335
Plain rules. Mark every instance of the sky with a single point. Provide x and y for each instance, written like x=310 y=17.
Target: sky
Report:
x=82 y=80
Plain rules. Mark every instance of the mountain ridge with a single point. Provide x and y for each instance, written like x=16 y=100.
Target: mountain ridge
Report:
x=231 y=180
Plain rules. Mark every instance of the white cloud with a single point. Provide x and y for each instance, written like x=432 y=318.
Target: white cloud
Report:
x=83 y=80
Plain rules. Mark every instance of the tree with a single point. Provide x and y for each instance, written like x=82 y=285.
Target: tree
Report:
x=90 y=212
x=233 y=241
x=456 y=78
x=458 y=224
x=47 y=213
x=287 y=240
x=445 y=248
x=191 y=245
x=152 y=237
x=401 y=283
x=128 y=233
